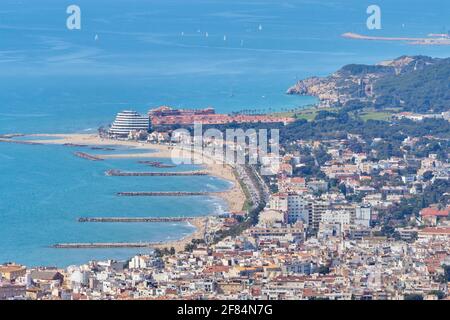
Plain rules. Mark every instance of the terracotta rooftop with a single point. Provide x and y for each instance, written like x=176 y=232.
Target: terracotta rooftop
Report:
x=436 y=230
x=11 y=268
x=433 y=212
x=214 y=269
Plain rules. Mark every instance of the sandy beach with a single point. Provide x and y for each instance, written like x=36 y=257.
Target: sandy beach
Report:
x=234 y=197
x=179 y=245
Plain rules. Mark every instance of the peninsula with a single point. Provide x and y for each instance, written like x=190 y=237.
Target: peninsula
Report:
x=431 y=40
x=410 y=83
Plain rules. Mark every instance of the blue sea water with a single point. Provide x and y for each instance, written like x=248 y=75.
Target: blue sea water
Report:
x=45 y=189
x=150 y=53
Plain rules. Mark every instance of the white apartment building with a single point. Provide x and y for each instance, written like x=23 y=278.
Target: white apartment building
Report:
x=357 y=215
x=279 y=202
x=343 y=217
x=363 y=215
x=139 y=262
x=295 y=206
x=128 y=121
x=315 y=211
x=299 y=208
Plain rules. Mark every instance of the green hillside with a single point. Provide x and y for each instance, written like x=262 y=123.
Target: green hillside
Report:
x=425 y=90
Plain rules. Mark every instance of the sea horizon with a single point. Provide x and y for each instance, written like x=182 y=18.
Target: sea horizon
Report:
x=129 y=55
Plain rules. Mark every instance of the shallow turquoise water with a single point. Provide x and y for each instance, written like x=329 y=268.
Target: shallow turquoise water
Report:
x=45 y=189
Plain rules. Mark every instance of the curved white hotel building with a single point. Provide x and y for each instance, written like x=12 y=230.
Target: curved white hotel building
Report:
x=128 y=121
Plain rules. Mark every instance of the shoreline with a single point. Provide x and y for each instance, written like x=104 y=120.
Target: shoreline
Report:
x=234 y=197
x=430 y=41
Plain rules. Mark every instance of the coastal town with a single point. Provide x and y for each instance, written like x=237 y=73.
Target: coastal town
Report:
x=340 y=217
